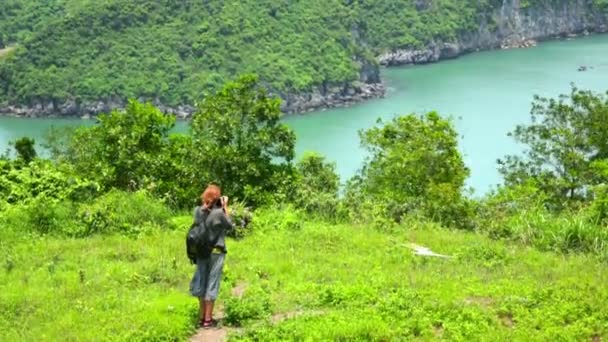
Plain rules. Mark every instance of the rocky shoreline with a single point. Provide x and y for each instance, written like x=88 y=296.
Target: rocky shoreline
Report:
x=321 y=98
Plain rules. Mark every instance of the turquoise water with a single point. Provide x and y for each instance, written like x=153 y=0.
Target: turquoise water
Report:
x=487 y=94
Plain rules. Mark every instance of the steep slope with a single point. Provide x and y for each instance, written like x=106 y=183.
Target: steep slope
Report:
x=84 y=57
x=507 y=24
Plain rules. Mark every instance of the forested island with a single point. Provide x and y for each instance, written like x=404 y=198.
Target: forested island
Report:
x=81 y=58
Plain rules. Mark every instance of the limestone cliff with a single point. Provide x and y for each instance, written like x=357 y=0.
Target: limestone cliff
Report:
x=515 y=24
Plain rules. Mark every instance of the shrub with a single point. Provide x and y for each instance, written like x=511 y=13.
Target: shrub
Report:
x=241 y=141
x=41 y=215
x=117 y=211
x=25 y=149
x=241 y=217
x=123 y=149
x=598 y=210
x=125 y=212
x=22 y=184
x=316 y=187
x=498 y=210
x=277 y=218
x=565 y=142
x=522 y=213
x=414 y=168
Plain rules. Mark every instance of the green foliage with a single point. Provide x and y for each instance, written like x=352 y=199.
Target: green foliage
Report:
x=567 y=144
x=602 y=5
x=240 y=141
x=25 y=149
x=278 y=218
x=91 y=50
x=316 y=189
x=121 y=150
x=114 y=212
x=414 y=168
x=242 y=217
x=520 y=213
x=599 y=207
x=22 y=184
x=132 y=150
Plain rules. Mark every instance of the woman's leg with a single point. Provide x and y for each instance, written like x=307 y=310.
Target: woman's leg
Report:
x=208 y=307
x=198 y=285
x=202 y=308
x=213 y=284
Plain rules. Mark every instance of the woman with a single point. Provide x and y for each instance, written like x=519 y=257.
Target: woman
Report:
x=206 y=280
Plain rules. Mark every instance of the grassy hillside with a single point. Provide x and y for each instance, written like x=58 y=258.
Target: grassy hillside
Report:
x=300 y=280
x=173 y=52
x=92 y=240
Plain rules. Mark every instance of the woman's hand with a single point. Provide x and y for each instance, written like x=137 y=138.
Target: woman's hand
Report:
x=225 y=204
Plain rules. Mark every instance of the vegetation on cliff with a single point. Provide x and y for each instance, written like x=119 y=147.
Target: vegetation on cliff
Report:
x=70 y=52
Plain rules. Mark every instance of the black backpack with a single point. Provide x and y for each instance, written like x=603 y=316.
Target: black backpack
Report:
x=197 y=240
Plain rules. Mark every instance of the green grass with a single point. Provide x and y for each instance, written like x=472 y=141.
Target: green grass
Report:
x=311 y=281
x=99 y=288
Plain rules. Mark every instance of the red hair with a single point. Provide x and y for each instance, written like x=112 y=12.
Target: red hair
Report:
x=211 y=195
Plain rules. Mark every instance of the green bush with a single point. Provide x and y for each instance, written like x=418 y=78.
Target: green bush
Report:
x=598 y=210
x=40 y=178
x=283 y=217
x=41 y=215
x=414 y=168
x=521 y=213
x=114 y=212
x=498 y=210
x=316 y=187
x=122 y=212
x=25 y=149
x=242 y=217
x=566 y=149
x=241 y=142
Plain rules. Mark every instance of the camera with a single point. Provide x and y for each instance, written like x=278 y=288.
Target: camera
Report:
x=220 y=202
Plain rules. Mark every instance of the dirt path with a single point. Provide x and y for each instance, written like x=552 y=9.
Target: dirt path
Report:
x=210 y=335
x=219 y=334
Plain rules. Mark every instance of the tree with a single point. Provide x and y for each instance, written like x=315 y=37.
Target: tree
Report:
x=414 y=166
x=25 y=149
x=241 y=141
x=317 y=174
x=316 y=186
x=124 y=149
x=567 y=146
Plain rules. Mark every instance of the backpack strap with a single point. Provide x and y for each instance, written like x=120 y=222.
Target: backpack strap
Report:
x=200 y=215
